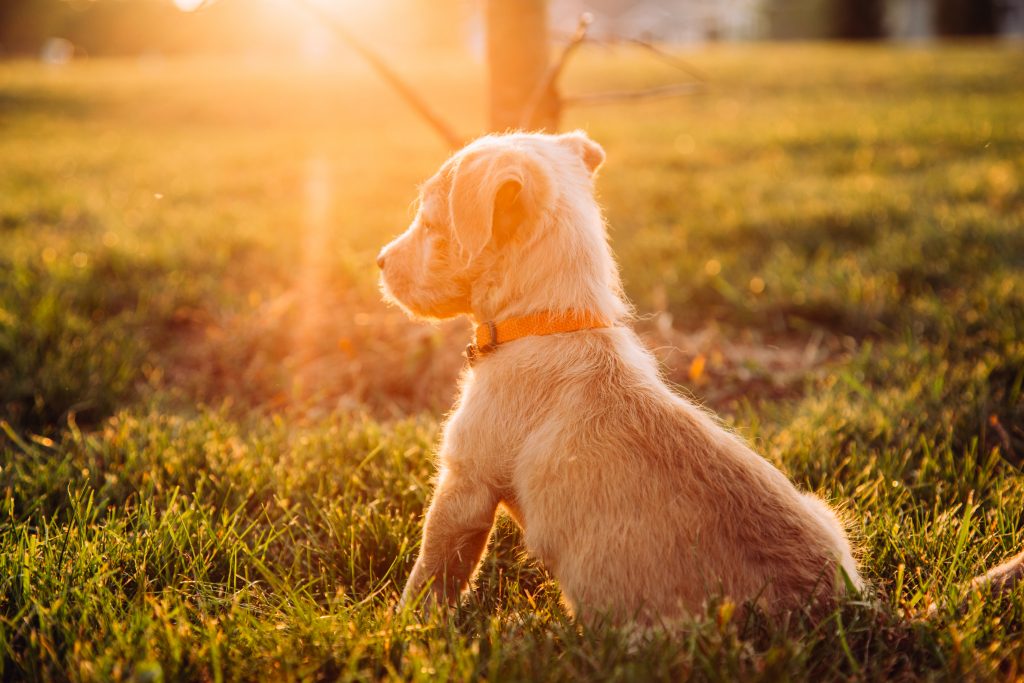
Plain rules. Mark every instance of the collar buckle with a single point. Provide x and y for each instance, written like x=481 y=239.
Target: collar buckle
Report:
x=474 y=351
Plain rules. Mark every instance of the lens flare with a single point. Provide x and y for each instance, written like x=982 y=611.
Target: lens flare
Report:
x=188 y=5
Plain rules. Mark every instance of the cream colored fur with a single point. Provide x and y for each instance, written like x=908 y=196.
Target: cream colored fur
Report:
x=638 y=501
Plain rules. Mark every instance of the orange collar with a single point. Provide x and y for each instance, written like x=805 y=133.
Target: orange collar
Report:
x=490 y=334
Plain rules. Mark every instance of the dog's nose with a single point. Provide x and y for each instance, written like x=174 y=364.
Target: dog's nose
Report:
x=380 y=260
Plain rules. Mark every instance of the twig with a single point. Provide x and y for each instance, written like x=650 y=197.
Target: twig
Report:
x=387 y=73
x=545 y=84
x=611 y=96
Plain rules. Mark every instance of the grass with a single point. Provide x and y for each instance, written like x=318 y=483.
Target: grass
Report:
x=217 y=442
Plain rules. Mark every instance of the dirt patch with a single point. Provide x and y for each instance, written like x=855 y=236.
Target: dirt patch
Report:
x=314 y=357
x=722 y=366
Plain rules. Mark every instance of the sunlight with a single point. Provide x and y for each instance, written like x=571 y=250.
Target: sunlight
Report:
x=313 y=274
x=189 y=5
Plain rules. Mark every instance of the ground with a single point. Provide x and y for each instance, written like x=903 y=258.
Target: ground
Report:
x=216 y=441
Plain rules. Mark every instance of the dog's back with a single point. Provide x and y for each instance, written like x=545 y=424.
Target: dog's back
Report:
x=636 y=499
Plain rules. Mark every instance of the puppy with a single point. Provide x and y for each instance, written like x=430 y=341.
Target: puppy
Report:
x=638 y=501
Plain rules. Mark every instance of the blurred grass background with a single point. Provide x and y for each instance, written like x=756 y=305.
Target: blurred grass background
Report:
x=217 y=439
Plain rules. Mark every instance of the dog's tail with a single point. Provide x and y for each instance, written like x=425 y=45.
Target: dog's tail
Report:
x=1000 y=579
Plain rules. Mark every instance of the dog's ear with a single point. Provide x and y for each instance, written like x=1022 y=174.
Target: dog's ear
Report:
x=591 y=153
x=495 y=194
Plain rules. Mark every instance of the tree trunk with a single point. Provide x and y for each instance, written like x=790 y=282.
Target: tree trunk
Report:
x=517 y=60
x=967 y=17
x=858 y=19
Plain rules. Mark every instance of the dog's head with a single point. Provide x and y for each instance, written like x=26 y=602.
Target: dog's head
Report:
x=482 y=214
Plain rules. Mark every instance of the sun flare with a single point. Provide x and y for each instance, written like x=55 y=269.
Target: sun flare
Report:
x=188 y=5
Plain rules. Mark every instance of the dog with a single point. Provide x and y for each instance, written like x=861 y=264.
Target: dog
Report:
x=639 y=502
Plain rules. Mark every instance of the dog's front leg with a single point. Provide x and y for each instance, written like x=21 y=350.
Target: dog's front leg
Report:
x=455 y=534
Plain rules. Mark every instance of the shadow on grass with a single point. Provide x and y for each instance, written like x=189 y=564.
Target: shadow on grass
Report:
x=29 y=102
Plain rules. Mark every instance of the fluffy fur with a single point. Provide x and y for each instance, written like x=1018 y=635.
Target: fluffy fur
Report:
x=638 y=501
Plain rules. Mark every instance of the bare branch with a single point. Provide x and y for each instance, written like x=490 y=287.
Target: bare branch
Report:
x=610 y=40
x=673 y=90
x=554 y=71
x=410 y=96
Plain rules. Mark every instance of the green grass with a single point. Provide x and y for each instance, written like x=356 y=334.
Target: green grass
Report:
x=216 y=442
